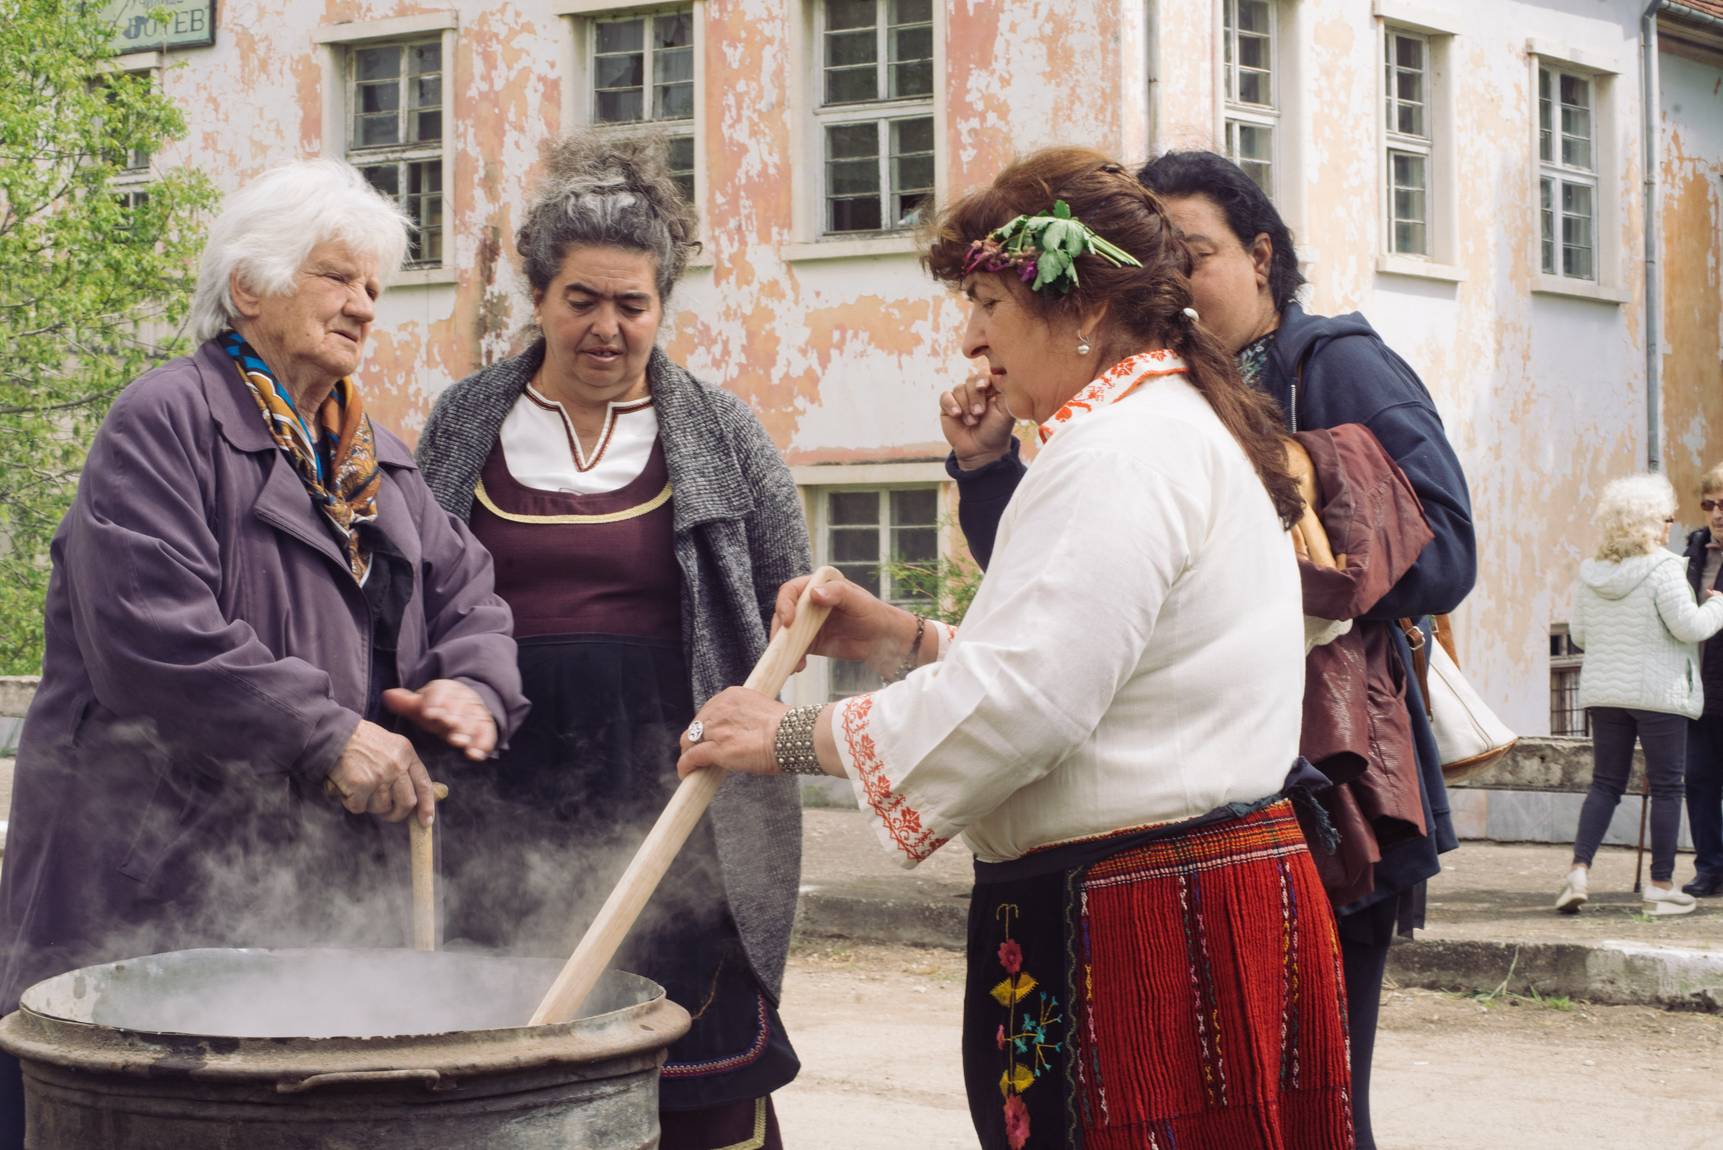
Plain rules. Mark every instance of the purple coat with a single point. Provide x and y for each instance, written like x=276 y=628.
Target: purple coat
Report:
x=208 y=656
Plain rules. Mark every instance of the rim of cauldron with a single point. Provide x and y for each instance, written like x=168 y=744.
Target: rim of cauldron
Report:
x=637 y=1029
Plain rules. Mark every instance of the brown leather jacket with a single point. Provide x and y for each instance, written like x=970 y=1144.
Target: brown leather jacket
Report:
x=1356 y=727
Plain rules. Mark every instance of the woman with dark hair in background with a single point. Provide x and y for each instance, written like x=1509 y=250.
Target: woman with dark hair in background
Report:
x=1151 y=958
x=641 y=523
x=1705 y=734
x=1322 y=372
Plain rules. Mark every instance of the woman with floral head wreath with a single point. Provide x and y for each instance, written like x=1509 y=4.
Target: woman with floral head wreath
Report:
x=1114 y=729
x=1322 y=372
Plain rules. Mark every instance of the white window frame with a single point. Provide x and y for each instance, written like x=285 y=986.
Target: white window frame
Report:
x=1399 y=143
x=336 y=43
x=817 y=483
x=404 y=154
x=1438 y=262
x=813 y=116
x=1558 y=175
x=1563 y=665
x=1235 y=114
x=579 y=96
x=1601 y=71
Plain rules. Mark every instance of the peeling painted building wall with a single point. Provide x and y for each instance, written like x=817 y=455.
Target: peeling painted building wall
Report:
x=1691 y=183
x=842 y=346
x=1542 y=393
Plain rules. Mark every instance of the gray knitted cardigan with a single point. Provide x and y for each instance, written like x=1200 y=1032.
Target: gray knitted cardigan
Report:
x=740 y=535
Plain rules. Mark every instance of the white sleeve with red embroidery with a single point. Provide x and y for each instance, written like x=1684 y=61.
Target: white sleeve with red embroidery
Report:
x=1092 y=541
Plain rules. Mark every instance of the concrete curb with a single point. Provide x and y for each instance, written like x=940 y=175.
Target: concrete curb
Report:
x=1610 y=972
x=907 y=922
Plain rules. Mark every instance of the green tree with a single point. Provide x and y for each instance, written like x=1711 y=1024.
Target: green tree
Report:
x=948 y=584
x=94 y=281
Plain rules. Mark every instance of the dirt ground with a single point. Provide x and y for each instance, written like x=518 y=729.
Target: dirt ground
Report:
x=877 y=1030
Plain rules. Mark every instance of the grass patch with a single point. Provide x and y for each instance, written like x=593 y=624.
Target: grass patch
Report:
x=1503 y=996
x=1531 y=998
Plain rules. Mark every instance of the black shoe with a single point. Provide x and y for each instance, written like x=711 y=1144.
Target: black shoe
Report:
x=1705 y=884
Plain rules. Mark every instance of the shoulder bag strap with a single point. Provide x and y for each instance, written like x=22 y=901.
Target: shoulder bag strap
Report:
x=1441 y=626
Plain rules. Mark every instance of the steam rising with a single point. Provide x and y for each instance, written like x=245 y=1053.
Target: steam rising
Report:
x=313 y=993
x=243 y=860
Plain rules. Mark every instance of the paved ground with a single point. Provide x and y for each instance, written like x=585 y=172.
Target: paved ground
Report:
x=1504 y=890
x=877 y=1030
x=1486 y=891
x=1490 y=918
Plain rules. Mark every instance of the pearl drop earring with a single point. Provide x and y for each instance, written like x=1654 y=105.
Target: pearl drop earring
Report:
x=1082 y=344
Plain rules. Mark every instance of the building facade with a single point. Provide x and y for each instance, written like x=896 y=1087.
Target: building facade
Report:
x=1471 y=174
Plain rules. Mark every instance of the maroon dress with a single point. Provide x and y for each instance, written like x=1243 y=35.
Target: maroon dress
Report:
x=595 y=588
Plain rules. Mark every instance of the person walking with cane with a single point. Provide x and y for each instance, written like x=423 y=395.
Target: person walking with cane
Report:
x=1637 y=620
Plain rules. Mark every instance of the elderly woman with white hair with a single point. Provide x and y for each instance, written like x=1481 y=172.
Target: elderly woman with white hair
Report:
x=1637 y=620
x=255 y=600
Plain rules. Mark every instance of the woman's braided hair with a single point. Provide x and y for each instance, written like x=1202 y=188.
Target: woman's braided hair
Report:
x=1146 y=303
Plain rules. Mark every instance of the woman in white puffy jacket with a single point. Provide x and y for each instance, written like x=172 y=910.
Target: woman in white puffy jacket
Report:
x=1635 y=616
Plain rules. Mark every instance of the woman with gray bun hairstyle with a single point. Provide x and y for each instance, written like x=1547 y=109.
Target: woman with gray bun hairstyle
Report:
x=641 y=523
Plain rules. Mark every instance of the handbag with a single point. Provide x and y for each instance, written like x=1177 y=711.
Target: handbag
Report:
x=1469 y=736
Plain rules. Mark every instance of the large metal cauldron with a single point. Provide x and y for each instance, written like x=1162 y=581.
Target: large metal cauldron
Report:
x=336 y=1050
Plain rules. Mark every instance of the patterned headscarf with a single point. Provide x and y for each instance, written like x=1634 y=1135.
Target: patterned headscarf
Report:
x=340 y=472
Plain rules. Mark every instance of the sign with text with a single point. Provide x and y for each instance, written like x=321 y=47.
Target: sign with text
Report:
x=145 y=25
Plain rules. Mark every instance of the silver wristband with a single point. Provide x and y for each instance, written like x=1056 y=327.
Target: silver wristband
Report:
x=794 y=746
x=912 y=660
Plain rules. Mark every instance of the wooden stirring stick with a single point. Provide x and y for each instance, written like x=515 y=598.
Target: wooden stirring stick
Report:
x=424 y=867
x=598 y=946
x=424 y=878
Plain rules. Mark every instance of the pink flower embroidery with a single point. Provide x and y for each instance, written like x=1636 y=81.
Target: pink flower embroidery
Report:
x=1011 y=956
x=999 y=1039
x=1016 y=1122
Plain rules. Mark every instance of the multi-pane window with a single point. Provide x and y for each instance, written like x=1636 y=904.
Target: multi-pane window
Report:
x=396 y=133
x=642 y=70
x=1251 y=109
x=1408 y=94
x=888 y=542
x=875 y=113
x=1567 y=173
x=112 y=87
x=1567 y=717
x=131 y=179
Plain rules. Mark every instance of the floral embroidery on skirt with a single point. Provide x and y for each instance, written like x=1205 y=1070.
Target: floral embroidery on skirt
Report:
x=1166 y=990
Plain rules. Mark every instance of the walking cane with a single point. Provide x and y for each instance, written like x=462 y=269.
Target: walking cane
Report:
x=1639 y=852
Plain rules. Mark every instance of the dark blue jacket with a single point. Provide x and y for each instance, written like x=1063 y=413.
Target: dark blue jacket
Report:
x=1710 y=651
x=1325 y=371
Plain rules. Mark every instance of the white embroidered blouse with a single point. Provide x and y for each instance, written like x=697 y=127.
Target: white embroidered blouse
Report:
x=1134 y=656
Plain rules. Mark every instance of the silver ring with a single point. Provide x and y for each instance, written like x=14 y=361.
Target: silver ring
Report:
x=695 y=730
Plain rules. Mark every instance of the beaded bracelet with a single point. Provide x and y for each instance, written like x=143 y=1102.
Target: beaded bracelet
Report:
x=912 y=660
x=793 y=748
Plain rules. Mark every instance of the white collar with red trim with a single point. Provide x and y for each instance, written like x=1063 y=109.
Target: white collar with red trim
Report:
x=1117 y=382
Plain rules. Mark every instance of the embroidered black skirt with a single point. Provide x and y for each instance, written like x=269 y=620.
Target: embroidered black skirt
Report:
x=1174 y=988
x=532 y=847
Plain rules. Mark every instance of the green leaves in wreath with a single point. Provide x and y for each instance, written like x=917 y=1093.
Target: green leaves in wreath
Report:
x=1054 y=241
